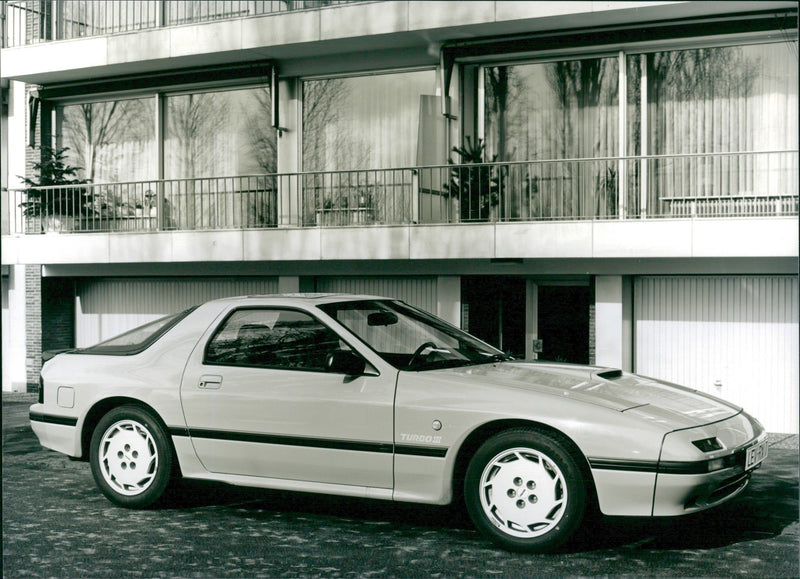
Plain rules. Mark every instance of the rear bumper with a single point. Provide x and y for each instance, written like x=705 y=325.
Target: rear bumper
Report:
x=59 y=433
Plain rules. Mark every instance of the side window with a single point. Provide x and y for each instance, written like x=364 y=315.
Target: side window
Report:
x=272 y=338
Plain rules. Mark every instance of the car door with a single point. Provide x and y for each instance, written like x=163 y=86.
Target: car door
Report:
x=258 y=402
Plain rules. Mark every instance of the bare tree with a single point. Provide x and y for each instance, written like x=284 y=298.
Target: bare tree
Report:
x=263 y=137
x=91 y=128
x=323 y=101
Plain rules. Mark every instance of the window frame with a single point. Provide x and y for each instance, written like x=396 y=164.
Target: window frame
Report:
x=158 y=98
x=622 y=51
x=222 y=324
x=302 y=79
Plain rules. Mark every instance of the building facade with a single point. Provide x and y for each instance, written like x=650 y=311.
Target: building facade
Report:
x=594 y=182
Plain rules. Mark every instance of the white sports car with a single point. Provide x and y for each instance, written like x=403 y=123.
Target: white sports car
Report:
x=369 y=397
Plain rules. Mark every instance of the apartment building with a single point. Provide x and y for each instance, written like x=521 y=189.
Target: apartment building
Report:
x=612 y=183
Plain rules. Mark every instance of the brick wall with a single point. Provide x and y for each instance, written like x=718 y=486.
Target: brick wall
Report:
x=33 y=325
x=33 y=284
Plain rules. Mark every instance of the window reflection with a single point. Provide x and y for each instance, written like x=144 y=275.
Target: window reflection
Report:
x=555 y=110
x=209 y=138
x=111 y=141
x=357 y=124
x=219 y=134
x=272 y=339
x=737 y=103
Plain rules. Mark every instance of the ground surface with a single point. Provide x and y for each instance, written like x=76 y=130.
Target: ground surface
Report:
x=57 y=524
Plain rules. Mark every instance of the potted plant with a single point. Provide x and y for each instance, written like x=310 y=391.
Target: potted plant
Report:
x=55 y=195
x=476 y=188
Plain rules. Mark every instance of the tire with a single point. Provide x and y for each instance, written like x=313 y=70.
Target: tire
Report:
x=131 y=457
x=525 y=491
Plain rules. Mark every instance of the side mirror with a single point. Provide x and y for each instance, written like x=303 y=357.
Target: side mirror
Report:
x=345 y=362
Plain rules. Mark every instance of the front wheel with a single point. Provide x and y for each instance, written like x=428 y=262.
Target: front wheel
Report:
x=524 y=490
x=131 y=457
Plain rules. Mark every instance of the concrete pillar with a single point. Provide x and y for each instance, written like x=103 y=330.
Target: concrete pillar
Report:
x=14 y=333
x=614 y=324
x=531 y=319
x=448 y=296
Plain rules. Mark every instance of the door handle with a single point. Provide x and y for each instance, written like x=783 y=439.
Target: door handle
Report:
x=210 y=382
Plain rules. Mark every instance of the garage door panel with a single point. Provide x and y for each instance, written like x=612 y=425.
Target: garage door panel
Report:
x=734 y=337
x=108 y=307
x=416 y=291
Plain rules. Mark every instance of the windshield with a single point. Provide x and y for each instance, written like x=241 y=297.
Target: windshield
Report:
x=411 y=339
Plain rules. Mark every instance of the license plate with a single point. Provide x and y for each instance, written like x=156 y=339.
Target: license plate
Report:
x=755 y=454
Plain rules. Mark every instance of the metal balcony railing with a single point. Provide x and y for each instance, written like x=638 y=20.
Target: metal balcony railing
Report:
x=34 y=21
x=679 y=186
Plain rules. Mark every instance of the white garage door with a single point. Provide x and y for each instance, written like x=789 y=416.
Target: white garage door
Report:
x=734 y=337
x=416 y=291
x=105 y=308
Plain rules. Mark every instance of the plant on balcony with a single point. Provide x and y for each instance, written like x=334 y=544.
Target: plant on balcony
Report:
x=64 y=197
x=476 y=188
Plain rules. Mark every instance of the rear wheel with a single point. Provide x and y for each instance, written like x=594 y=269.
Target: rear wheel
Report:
x=131 y=457
x=524 y=490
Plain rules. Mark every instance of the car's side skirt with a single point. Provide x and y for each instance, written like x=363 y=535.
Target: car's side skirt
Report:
x=354 y=445
x=192 y=469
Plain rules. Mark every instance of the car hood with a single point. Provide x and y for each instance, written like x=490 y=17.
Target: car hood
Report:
x=647 y=398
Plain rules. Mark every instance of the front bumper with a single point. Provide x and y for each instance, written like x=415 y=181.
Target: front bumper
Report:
x=683 y=487
x=683 y=480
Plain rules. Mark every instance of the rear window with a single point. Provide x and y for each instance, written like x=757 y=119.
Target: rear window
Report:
x=137 y=339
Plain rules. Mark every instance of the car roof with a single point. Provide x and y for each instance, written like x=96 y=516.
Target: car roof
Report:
x=307 y=298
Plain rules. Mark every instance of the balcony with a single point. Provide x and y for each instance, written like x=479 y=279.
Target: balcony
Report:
x=34 y=21
x=724 y=185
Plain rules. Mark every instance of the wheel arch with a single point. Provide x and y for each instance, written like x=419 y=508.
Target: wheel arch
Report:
x=101 y=408
x=485 y=431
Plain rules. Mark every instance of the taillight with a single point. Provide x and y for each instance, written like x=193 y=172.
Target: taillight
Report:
x=41 y=389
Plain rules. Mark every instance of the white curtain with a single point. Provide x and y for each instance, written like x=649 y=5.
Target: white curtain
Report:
x=740 y=99
x=553 y=111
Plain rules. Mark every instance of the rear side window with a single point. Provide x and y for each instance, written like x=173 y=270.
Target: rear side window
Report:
x=272 y=338
x=137 y=339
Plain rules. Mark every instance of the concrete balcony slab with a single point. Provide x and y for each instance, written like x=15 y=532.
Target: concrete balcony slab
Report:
x=281 y=244
x=544 y=240
x=63 y=248
x=460 y=241
x=364 y=243
x=132 y=247
x=642 y=238
x=207 y=246
x=143 y=45
x=426 y=15
x=745 y=237
x=348 y=21
x=210 y=38
x=277 y=30
x=54 y=57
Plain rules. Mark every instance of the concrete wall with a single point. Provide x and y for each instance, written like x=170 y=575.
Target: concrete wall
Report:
x=639 y=239
x=397 y=26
